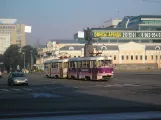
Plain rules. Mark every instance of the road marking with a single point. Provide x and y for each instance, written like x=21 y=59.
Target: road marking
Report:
x=16 y=89
x=133 y=92
x=48 y=88
x=27 y=89
x=107 y=85
x=4 y=90
x=128 y=84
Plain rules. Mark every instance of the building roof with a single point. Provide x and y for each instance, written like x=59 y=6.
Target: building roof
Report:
x=150 y=16
x=113 y=28
x=8 y=21
x=72 y=47
x=65 y=41
x=152 y=47
x=79 y=47
x=100 y=47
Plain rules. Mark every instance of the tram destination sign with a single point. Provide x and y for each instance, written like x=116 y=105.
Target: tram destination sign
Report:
x=96 y=34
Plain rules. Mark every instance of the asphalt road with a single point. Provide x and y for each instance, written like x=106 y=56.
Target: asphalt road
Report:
x=124 y=93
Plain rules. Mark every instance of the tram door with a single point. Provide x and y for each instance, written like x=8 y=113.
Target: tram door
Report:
x=61 y=65
x=77 y=68
x=94 y=70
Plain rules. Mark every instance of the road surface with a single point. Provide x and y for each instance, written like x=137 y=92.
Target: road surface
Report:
x=126 y=92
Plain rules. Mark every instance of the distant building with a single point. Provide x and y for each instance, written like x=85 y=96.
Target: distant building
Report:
x=11 y=33
x=111 y=23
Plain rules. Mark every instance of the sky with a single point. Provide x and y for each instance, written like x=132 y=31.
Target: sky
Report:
x=61 y=19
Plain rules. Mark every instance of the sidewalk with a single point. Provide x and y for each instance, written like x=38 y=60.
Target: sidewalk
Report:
x=157 y=72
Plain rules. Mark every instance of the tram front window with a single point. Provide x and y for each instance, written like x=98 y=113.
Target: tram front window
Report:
x=105 y=63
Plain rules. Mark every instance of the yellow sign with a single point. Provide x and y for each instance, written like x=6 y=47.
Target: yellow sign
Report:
x=107 y=34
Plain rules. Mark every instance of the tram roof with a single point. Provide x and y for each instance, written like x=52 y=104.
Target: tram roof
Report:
x=60 y=60
x=91 y=58
x=48 y=61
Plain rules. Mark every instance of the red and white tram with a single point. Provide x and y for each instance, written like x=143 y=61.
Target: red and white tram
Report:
x=90 y=68
x=59 y=68
x=47 y=68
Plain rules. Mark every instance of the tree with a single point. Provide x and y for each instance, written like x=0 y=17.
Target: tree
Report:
x=30 y=55
x=12 y=57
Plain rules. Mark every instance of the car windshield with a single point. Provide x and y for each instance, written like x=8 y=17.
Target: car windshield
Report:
x=18 y=75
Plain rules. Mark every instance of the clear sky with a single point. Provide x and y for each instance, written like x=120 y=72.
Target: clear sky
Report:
x=60 y=19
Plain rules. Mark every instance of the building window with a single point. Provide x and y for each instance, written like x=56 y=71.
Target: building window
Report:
x=136 y=57
x=127 y=57
x=114 y=57
x=122 y=57
x=141 y=57
x=131 y=57
x=145 y=57
x=156 y=57
x=151 y=57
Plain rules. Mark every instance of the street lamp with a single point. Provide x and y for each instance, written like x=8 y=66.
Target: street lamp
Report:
x=31 y=59
x=158 y=48
x=24 y=60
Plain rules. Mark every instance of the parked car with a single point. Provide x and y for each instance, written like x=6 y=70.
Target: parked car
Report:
x=16 y=78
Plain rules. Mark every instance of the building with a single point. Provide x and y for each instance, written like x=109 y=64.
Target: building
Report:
x=136 y=40
x=111 y=23
x=11 y=33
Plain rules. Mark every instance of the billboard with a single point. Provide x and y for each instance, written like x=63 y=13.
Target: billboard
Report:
x=80 y=34
x=120 y=34
x=27 y=29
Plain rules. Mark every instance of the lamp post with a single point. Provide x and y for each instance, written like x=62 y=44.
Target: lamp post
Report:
x=31 y=60
x=157 y=48
x=10 y=63
x=24 y=60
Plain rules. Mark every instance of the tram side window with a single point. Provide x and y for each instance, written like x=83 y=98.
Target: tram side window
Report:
x=60 y=65
x=65 y=64
x=83 y=64
x=72 y=64
x=96 y=63
x=88 y=64
x=55 y=65
x=46 y=66
x=80 y=64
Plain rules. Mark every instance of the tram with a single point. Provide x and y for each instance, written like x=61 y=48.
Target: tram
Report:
x=47 y=68
x=59 y=68
x=90 y=68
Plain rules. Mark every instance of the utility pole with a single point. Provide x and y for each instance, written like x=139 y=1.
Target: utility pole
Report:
x=31 y=60
x=24 y=60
